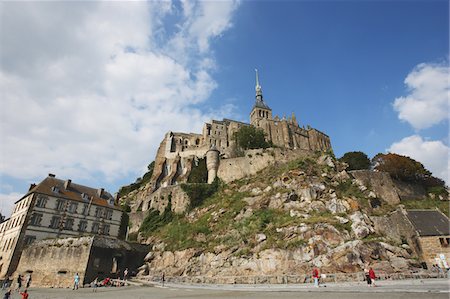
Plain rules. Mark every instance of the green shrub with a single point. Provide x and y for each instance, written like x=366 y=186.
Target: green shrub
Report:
x=154 y=220
x=199 y=192
x=199 y=172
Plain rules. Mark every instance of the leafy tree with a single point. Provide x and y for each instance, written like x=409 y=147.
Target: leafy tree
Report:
x=356 y=160
x=405 y=169
x=250 y=137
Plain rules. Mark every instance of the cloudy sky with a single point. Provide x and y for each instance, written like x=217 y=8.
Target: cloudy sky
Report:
x=88 y=89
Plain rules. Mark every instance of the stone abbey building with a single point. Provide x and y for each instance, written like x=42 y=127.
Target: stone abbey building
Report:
x=177 y=151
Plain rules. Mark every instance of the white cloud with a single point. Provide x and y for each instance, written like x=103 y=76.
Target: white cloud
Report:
x=434 y=155
x=90 y=88
x=7 y=203
x=427 y=101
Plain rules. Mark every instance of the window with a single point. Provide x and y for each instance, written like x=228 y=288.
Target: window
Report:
x=69 y=224
x=29 y=239
x=82 y=227
x=105 y=230
x=60 y=205
x=108 y=214
x=73 y=207
x=444 y=242
x=99 y=212
x=41 y=201
x=85 y=209
x=36 y=219
x=95 y=227
x=54 y=223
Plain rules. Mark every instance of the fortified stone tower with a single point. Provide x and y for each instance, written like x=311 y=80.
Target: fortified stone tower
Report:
x=212 y=163
x=260 y=109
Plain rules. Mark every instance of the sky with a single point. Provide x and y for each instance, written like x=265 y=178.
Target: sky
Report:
x=89 y=88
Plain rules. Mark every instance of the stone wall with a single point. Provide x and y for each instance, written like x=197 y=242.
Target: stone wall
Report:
x=380 y=182
x=432 y=250
x=254 y=161
x=53 y=263
x=159 y=200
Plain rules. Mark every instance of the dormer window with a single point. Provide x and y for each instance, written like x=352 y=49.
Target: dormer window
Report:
x=84 y=196
x=55 y=189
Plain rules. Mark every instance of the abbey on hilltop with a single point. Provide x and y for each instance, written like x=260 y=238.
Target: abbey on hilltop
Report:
x=177 y=151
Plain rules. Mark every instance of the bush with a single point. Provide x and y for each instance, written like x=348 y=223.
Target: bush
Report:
x=250 y=137
x=199 y=172
x=356 y=160
x=199 y=192
x=154 y=220
x=406 y=169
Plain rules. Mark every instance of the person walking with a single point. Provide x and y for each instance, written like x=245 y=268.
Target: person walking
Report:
x=24 y=294
x=367 y=276
x=94 y=284
x=7 y=295
x=76 y=281
x=125 y=274
x=28 y=280
x=5 y=283
x=19 y=282
x=372 y=277
x=315 y=275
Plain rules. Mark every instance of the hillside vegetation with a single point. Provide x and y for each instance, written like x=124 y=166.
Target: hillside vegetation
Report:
x=287 y=218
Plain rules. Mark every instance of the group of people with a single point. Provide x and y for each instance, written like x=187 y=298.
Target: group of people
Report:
x=20 y=281
x=370 y=276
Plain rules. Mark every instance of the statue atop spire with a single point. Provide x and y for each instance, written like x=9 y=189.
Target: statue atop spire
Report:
x=258 y=87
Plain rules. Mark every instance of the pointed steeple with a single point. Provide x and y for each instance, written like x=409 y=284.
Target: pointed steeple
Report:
x=258 y=87
x=259 y=97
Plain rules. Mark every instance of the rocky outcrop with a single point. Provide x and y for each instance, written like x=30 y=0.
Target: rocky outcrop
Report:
x=380 y=182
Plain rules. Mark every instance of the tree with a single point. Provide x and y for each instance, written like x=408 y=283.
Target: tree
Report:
x=250 y=137
x=405 y=169
x=356 y=160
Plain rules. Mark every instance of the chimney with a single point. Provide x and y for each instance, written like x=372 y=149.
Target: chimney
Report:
x=67 y=184
x=31 y=187
x=51 y=175
x=100 y=192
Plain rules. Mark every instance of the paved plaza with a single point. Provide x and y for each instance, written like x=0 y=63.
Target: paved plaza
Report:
x=435 y=288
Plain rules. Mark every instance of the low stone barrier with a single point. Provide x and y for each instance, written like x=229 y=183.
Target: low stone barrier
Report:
x=292 y=279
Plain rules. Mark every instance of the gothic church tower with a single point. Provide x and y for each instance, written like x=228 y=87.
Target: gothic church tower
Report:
x=260 y=109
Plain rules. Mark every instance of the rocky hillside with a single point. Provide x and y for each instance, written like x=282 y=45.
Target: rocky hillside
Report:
x=284 y=220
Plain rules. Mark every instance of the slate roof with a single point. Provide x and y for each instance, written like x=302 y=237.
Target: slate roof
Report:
x=429 y=222
x=260 y=104
x=73 y=192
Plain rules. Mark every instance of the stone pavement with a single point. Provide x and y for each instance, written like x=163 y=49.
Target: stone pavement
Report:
x=414 y=289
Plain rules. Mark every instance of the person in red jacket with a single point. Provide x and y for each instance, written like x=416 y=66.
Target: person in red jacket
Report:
x=372 y=277
x=24 y=294
x=315 y=275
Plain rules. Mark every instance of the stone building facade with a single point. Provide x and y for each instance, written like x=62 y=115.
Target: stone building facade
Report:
x=56 y=208
x=427 y=232
x=91 y=257
x=178 y=151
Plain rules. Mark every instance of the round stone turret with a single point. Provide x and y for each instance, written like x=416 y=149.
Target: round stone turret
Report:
x=212 y=163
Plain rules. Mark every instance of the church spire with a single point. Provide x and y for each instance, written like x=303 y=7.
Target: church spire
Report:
x=258 y=87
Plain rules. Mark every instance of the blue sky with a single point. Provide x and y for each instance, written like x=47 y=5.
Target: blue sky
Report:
x=96 y=85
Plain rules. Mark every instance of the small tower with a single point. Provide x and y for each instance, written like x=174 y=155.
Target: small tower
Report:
x=260 y=109
x=212 y=163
